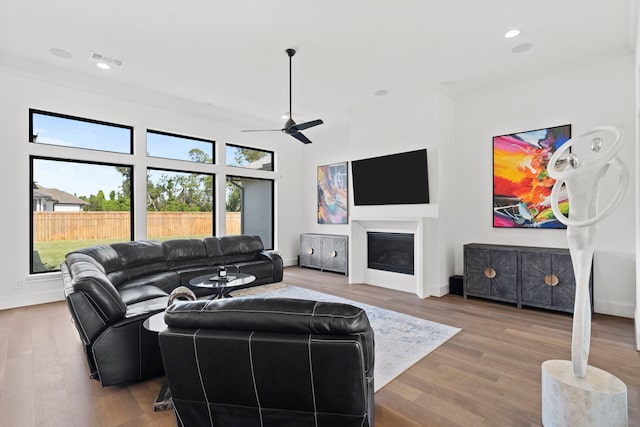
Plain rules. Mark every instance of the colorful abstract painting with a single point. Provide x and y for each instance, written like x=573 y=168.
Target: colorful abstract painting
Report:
x=521 y=185
x=332 y=194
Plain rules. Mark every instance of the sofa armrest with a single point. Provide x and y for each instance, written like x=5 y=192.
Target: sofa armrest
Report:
x=81 y=274
x=276 y=260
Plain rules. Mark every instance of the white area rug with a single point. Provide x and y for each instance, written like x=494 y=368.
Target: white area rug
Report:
x=400 y=340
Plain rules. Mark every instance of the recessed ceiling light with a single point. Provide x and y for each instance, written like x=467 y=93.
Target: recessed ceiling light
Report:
x=511 y=34
x=60 y=53
x=103 y=66
x=381 y=92
x=522 y=47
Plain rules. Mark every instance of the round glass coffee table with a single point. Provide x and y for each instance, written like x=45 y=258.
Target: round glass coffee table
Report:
x=221 y=286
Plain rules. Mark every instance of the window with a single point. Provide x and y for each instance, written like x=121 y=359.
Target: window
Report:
x=250 y=208
x=74 y=205
x=250 y=158
x=179 y=204
x=170 y=146
x=67 y=131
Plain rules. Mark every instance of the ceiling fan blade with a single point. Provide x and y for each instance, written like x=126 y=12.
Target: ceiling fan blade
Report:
x=300 y=137
x=262 y=130
x=307 y=125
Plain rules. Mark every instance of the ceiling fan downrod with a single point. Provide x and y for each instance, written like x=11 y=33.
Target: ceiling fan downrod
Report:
x=290 y=52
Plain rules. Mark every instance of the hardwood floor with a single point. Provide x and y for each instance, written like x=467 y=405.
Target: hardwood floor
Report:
x=487 y=375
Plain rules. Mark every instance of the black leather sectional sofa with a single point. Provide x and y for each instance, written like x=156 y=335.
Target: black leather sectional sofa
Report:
x=111 y=289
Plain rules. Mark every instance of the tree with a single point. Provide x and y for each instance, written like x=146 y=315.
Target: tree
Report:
x=244 y=156
x=234 y=195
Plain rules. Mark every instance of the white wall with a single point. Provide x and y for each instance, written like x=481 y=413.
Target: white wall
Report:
x=21 y=92
x=585 y=96
x=329 y=146
x=391 y=124
x=458 y=135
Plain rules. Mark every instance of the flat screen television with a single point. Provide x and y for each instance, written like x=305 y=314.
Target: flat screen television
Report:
x=396 y=179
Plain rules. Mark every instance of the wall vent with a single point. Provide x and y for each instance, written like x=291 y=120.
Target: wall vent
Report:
x=106 y=59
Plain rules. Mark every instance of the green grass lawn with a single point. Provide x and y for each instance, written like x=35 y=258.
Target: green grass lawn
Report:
x=52 y=253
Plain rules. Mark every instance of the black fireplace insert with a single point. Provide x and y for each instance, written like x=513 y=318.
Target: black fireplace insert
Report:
x=390 y=252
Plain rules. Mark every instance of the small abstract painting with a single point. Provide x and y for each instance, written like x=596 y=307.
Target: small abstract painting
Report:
x=332 y=194
x=521 y=185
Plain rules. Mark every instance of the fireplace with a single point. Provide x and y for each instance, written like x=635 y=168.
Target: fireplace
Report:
x=390 y=252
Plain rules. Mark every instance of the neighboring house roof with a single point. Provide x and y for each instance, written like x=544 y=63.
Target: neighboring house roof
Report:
x=37 y=194
x=263 y=163
x=59 y=196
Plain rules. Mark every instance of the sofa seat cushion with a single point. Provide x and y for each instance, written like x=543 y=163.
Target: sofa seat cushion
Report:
x=148 y=307
x=260 y=269
x=166 y=281
x=187 y=274
x=135 y=294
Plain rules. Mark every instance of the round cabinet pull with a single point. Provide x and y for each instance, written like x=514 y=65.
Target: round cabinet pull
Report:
x=333 y=254
x=489 y=273
x=551 y=280
x=310 y=251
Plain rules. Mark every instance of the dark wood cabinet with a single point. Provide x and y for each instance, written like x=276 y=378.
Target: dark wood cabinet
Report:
x=491 y=272
x=324 y=251
x=526 y=276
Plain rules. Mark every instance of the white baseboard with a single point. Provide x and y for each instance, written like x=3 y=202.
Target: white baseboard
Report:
x=439 y=290
x=23 y=300
x=637 y=329
x=614 y=309
x=290 y=262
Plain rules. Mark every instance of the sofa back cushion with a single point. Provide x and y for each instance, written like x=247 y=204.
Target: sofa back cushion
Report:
x=109 y=259
x=214 y=251
x=285 y=315
x=140 y=257
x=185 y=253
x=240 y=248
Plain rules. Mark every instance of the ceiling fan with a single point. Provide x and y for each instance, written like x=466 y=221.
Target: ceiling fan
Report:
x=291 y=127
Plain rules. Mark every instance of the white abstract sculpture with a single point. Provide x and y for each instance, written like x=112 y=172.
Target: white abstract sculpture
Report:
x=582 y=176
x=578 y=394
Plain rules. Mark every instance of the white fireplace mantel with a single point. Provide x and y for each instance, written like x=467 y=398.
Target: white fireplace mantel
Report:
x=419 y=226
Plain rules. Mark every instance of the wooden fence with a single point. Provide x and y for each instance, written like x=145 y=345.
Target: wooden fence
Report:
x=49 y=226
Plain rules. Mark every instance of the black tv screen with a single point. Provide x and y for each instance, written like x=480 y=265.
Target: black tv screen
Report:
x=396 y=179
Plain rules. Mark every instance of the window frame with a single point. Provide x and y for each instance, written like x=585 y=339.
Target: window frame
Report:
x=213 y=190
x=177 y=135
x=33 y=157
x=273 y=201
x=33 y=111
x=273 y=157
